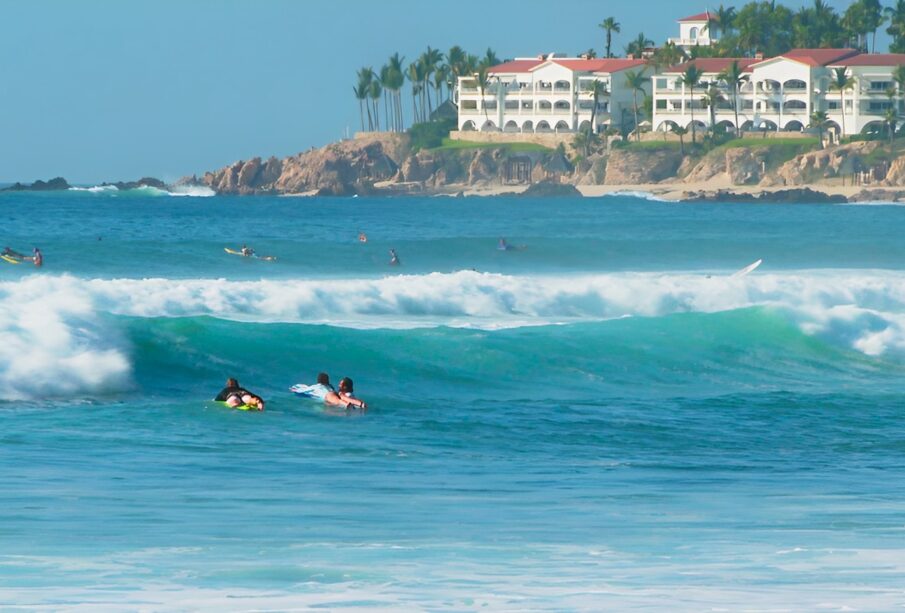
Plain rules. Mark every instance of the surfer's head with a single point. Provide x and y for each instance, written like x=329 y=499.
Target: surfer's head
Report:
x=323 y=378
x=345 y=385
x=232 y=382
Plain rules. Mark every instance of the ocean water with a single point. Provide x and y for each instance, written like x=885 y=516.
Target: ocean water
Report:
x=602 y=419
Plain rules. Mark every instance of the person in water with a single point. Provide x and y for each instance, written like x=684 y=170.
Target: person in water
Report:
x=362 y=237
x=394 y=259
x=235 y=395
x=12 y=254
x=345 y=397
x=322 y=387
x=503 y=245
x=247 y=251
x=37 y=258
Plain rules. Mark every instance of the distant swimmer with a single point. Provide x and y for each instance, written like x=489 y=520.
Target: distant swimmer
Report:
x=247 y=251
x=345 y=397
x=502 y=245
x=362 y=237
x=37 y=258
x=236 y=396
x=394 y=259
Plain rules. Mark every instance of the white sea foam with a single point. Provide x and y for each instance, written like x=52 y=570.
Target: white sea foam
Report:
x=636 y=194
x=52 y=344
x=55 y=340
x=197 y=191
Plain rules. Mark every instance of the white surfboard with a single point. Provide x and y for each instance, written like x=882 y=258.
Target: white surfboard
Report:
x=747 y=269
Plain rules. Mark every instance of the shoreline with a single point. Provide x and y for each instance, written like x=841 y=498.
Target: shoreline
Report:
x=716 y=191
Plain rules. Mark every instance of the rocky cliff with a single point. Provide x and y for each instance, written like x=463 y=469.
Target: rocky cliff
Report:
x=814 y=166
x=630 y=167
x=341 y=169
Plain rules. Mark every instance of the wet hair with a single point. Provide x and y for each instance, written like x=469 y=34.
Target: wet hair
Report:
x=323 y=378
x=345 y=384
x=232 y=382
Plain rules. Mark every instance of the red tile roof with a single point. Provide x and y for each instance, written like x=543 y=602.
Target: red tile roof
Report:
x=713 y=64
x=599 y=65
x=818 y=57
x=873 y=59
x=705 y=16
x=574 y=64
x=515 y=66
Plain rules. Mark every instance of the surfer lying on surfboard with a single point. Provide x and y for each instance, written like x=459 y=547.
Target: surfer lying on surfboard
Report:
x=248 y=252
x=13 y=254
x=236 y=397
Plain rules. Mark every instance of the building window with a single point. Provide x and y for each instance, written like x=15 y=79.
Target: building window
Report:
x=662 y=84
x=876 y=107
x=693 y=34
x=661 y=105
x=880 y=86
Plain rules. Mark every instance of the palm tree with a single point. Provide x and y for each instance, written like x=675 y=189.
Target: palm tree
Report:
x=873 y=18
x=896 y=16
x=483 y=80
x=396 y=79
x=733 y=76
x=725 y=18
x=636 y=47
x=712 y=97
x=490 y=58
x=691 y=78
x=361 y=94
x=416 y=78
x=680 y=132
x=597 y=89
x=590 y=53
x=820 y=121
x=365 y=77
x=890 y=120
x=609 y=25
x=841 y=82
x=374 y=93
x=635 y=80
x=898 y=75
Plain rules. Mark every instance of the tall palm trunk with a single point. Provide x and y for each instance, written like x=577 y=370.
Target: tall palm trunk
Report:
x=361 y=114
x=694 y=132
x=738 y=131
x=635 y=109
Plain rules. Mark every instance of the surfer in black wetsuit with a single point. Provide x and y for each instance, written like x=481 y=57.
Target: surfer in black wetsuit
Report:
x=234 y=395
x=394 y=259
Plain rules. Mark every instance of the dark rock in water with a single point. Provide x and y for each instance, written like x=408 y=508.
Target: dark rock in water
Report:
x=546 y=189
x=56 y=184
x=784 y=196
x=143 y=182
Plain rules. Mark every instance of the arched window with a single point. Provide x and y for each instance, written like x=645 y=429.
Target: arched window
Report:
x=693 y=34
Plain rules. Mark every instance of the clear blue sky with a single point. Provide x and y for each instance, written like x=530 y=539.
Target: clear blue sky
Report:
x=98 y=90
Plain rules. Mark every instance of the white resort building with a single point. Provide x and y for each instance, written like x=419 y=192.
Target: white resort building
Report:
x=550 y=94
x=694 y=31
x=780 y=93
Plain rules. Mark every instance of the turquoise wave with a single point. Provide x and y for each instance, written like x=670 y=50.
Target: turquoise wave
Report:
x=679 y=355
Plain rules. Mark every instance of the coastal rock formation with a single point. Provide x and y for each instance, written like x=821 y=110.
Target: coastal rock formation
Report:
x=711 y=165
x=746 y=165
x=58 y=183
x=593 y=172
x=628 y=167
x=895 y=176
x=879 y=195
x=344 y=168
x=551 y=189
x=824 y=164
x=782 y=196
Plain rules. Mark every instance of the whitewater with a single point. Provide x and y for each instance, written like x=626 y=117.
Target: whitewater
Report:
x=603 y=419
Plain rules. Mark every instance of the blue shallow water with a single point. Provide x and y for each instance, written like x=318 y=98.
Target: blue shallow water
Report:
x=603 y=420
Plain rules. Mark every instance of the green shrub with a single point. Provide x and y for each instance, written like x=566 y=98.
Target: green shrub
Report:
x=431 y=134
